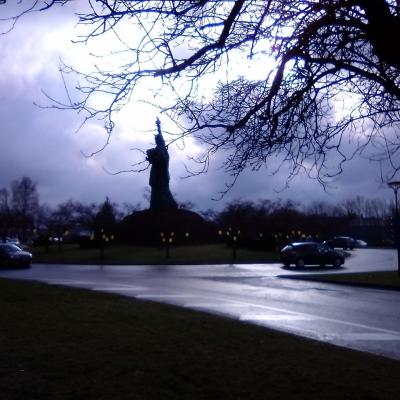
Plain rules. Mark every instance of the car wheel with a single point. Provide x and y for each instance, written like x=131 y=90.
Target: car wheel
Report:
x=300 y=263
x=337 y=262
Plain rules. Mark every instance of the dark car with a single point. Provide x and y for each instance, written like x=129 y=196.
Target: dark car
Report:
x=344 y=242
x=13 y=240
x=310 y=253
x=13 y=256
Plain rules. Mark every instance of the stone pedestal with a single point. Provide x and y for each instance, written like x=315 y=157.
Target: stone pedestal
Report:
x=147 y=227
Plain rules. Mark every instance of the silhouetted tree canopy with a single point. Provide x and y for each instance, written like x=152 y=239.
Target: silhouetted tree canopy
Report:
x=266 y=221
x=24 y=204
x=105 y=221
x=331 y=74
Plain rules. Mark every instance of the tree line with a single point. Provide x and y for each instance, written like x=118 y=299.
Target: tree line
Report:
x=280 y=221
x=22 y=215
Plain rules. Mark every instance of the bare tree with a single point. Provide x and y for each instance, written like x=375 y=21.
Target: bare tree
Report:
x=362 y=207
x=63 y=218
x=5 y=213
x=24 y=204
x=321 y=208
x=129 y=208
x=332 y=73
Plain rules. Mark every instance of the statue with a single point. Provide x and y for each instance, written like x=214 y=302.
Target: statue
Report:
x=161 y=198
x=163 y=215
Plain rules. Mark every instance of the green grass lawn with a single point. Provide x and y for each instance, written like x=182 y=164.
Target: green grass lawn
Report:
x=201 y=254
x=384 y=279
x=64 y=343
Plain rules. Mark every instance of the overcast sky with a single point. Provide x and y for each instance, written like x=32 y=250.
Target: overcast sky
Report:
x=45 y=145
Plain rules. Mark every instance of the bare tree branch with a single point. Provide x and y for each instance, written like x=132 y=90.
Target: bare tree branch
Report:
x=335 y=79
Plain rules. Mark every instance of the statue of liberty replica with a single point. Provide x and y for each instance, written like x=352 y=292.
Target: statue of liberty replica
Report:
x=161 y=198
x=163 y=219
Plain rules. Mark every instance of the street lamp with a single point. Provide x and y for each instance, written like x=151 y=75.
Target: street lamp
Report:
x=167 y=241
x=395 y=186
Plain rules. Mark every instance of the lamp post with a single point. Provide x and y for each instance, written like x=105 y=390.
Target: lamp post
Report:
x=232 y=238
x=395 y=186
x=167 y=240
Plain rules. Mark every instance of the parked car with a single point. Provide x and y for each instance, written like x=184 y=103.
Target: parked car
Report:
x=344 y=242
x=311 y=253
x=13 y=256
x=13 y=240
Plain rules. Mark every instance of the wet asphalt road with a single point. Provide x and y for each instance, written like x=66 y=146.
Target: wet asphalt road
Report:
x=359 y=318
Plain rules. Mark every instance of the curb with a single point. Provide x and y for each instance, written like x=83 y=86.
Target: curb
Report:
x=355 y=284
